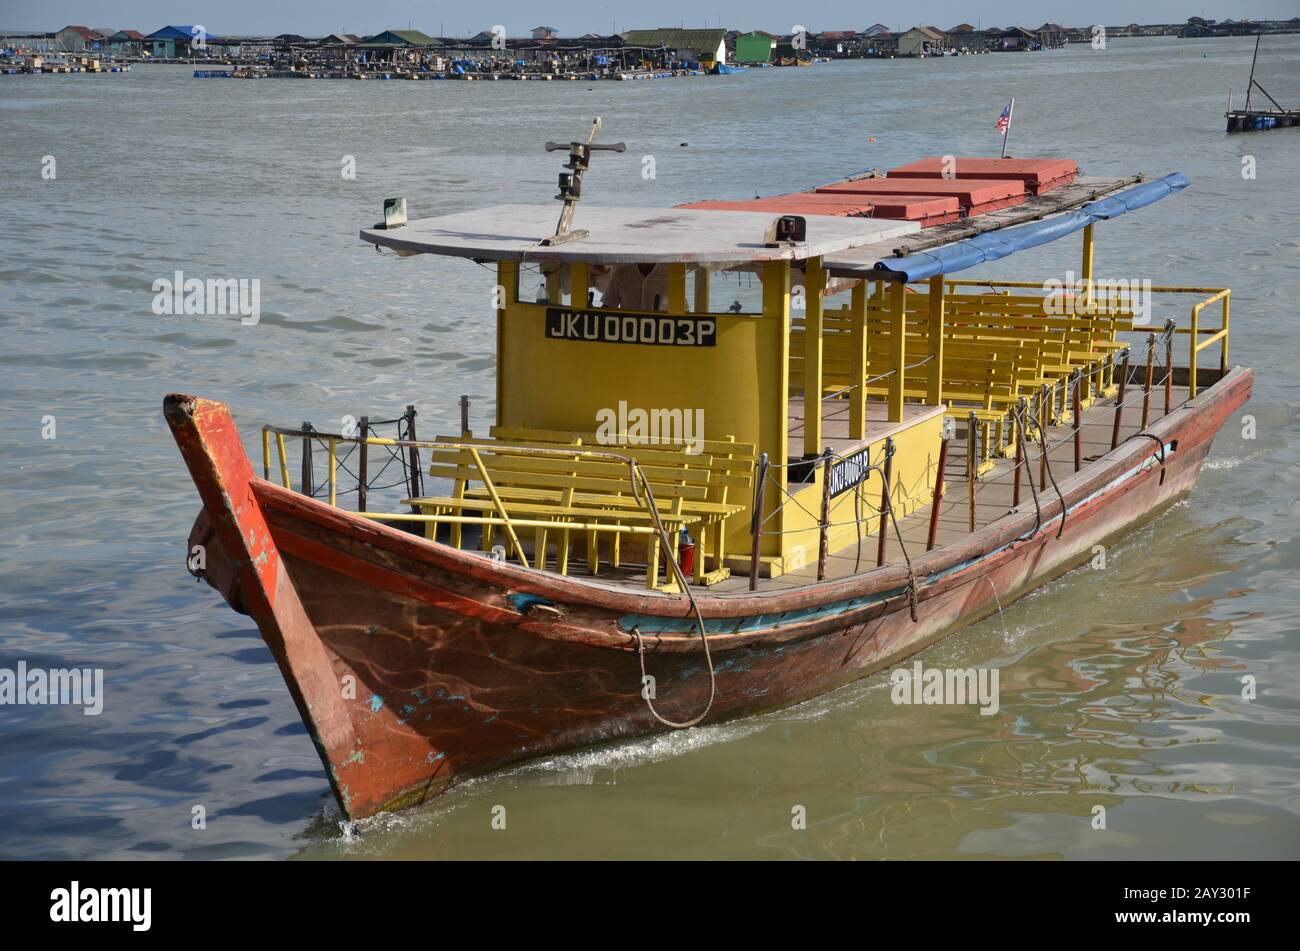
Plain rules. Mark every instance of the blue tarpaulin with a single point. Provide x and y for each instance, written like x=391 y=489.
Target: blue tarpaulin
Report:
x=999 y=244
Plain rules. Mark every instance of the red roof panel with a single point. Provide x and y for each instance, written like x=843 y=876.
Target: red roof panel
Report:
x=976 y=195
x=927 y=209
x=1039 y=175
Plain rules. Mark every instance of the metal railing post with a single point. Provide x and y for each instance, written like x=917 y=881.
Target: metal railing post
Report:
x=1119 y=401
x=307 y=479
x=756 y=519
x=363 y=464
x=886 y=503
x=413 y=455
x=824 y=525
x=938 y=494
x=1078 y=420
x=972 y=465
x=1146 y=385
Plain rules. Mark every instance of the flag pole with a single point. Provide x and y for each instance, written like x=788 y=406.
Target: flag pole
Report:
x=1005 y=135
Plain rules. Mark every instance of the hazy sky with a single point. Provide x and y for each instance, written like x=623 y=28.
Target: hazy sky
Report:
x=518 y=16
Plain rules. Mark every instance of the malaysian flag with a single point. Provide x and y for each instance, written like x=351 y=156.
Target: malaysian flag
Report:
x=1004 y=120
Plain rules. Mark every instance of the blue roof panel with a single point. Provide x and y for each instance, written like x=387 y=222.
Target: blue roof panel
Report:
x=1000 y=244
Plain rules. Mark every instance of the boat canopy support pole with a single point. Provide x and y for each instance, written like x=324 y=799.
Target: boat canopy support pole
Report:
x=897 y=349
x=701 y=290
x=934 y=373
x=858 y=359
x=506 y=294
x=1086 y=266
x=814 y=287
x=774 y=419
x=677 y=289
x=579 y=284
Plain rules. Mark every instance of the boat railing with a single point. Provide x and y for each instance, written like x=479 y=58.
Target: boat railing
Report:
x=1049 y=418
x=406 y=450
x=1105 y=296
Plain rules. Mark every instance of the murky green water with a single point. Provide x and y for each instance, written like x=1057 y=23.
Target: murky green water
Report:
x=1119 y=688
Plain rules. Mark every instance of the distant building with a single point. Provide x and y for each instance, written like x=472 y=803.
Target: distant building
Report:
x=963 y=36
x=177 y=42
x=545 y=33
x=921 y=40
x=1012 y=38
x=401 y=38
x=1051 y=36
x=835 y=42
x=754 y=47
x=341 y=39
x=127 y=42
x=876 y=29
x=691 y=46
x=76 y=39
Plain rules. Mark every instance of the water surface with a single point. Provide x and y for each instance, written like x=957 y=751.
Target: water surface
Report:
x=1120 y=688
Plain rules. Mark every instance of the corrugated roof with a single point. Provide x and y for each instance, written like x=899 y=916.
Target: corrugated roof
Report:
x=179 y=32
x=678 y=39
x=411 y=37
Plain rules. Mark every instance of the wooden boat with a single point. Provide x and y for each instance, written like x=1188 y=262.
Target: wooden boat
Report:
x=872 y=476
x=727 y=69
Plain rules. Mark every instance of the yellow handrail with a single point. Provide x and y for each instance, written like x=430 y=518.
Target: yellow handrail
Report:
x=1196 y=347
x=640 y=488
x=496 y=503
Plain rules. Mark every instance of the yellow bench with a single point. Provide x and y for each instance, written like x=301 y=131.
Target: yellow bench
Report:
x=730 y=464
x=590 y=494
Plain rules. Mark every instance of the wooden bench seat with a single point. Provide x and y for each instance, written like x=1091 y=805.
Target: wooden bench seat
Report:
x=730 y=463
x=588 y=492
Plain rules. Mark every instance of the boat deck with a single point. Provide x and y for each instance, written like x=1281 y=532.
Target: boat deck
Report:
x=993 y=495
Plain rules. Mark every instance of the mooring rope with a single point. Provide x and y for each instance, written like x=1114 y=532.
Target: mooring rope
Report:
x=1047 y=466
x=1029 y=475
x=670 y=556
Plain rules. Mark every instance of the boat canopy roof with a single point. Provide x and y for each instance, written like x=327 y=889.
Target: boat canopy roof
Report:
x=851 y=247
x=971 y=241
x=630 y=235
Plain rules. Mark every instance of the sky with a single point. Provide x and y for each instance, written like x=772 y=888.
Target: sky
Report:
x=319 y=17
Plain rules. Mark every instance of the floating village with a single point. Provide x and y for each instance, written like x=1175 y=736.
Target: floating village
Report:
x=491 y=54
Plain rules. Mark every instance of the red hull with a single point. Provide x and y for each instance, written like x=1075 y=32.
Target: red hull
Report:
x=456 y=671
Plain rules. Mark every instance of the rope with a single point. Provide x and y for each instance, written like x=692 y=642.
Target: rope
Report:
x=1029 y=475
x=1047 y=464
x=911 y=574
x=1159 y=442
x=636 y=475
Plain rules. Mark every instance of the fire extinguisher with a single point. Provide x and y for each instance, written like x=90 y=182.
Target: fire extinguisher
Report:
x=686 y=552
